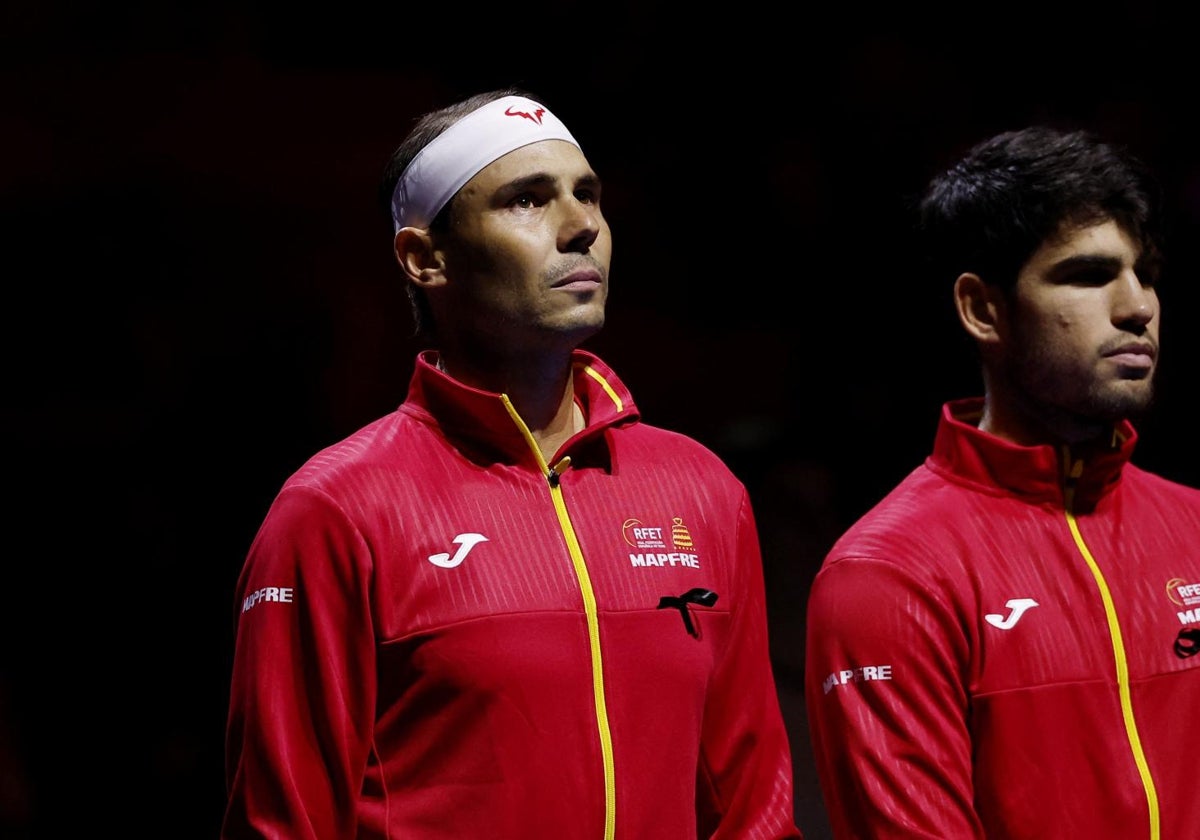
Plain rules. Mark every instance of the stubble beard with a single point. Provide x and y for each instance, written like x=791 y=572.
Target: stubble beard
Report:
x=1078 y=404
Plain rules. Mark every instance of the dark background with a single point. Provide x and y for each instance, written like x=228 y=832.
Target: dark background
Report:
x=199 y=294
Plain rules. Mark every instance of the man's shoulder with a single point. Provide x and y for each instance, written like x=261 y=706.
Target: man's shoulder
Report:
x=646 y=434
x=681 y=443
x=918 y=511
x=657 y=446
x=1159 y=487
x=374 y=443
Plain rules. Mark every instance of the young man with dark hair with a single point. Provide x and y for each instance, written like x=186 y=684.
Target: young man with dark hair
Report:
x=1004 y=645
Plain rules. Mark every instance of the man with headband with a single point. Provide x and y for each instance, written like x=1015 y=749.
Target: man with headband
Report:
x=508 y=609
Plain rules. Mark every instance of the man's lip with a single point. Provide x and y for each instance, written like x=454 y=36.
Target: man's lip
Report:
x=1132 y=360
x=1132 y=350
x=1132 y=356
x=579 y=279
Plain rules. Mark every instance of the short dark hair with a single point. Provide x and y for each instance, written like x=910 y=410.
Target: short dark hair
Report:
x=423 y=132
x=1009 y=194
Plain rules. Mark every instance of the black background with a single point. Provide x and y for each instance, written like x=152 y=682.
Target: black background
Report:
x=199 y=294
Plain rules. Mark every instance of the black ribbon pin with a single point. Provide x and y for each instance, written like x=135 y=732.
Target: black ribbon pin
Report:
x=1187 y=643
x=699 y=595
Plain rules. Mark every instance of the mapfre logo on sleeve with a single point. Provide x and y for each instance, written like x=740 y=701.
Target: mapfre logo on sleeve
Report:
x=864 y=673
x=268 y=595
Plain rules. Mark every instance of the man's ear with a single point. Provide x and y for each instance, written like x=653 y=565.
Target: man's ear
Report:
x=417 y=257
x=980 y=307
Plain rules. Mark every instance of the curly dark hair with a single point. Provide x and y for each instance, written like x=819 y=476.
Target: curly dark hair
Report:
x=1009 y=194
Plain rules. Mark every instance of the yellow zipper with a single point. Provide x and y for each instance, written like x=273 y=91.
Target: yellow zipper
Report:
x=1074 y=470
x=590 y=612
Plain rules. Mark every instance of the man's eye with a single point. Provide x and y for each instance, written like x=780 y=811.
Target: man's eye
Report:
x=1089 y=277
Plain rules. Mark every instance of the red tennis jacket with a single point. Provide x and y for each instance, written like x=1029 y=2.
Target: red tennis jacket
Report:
x=1004 y=647
x=441 y=636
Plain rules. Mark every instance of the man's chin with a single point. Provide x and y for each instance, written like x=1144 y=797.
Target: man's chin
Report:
x=585 y=325
x=1123 y=400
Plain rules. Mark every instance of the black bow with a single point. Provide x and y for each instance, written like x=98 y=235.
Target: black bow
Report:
x=703 y=597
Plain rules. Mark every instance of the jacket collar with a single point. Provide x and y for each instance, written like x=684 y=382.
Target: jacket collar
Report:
x=478 y=422
x=1042 y=474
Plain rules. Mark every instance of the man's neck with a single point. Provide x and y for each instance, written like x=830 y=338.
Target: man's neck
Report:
x=1027 y=425
x=541 y=389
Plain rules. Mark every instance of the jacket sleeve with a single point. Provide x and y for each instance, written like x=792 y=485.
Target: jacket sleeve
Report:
x=303 y=678
x=745 y=776
x=886 y=695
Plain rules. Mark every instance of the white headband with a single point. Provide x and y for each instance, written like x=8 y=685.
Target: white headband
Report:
x=454 y=157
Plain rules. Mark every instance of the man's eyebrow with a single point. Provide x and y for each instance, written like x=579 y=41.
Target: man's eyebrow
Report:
x=590 y=181
x=1084 y=263
x=527 y=182
x=545 y=179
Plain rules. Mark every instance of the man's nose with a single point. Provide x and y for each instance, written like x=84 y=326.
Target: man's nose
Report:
x=1134 y=300
x=581 y=226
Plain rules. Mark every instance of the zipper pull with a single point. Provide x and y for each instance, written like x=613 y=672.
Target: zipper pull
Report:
x=558 y=469
x=1072 y=468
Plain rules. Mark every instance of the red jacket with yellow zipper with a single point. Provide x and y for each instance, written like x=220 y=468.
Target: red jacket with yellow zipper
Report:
x=439 y=636
x=1003 y=647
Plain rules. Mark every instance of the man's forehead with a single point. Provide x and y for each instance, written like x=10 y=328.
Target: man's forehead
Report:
x=1102 y=239
x=1101 y=235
